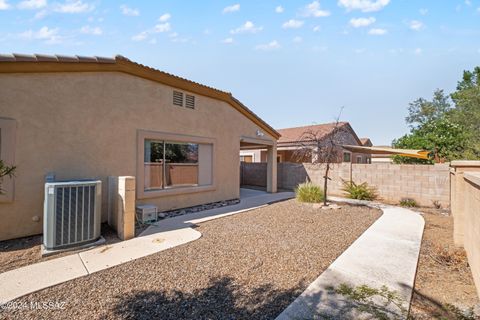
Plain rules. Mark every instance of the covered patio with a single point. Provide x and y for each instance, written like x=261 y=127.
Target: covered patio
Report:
x=247 y=143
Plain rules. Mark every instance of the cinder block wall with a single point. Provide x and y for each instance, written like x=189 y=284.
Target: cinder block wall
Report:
x=424 y=183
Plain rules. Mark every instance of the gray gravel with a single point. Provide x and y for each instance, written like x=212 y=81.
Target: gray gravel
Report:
x=247 y=266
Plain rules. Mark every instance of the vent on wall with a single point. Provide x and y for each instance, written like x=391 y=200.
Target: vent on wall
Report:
x=71 y=213
x=190 y=101
x=178 y=98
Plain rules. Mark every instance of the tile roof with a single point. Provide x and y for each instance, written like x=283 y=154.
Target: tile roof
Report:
x=289 y=135
x=17 y=57
x=123 y=64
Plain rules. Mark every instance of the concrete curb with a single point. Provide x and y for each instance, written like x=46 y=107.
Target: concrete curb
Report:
x=385 y=254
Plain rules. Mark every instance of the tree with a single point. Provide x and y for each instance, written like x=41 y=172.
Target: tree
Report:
x=443 y=138
x=5 y=171
x=467 y=110
x=422 y=111
x=321 y=150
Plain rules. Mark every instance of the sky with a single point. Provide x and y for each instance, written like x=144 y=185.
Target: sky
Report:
x=293 y=63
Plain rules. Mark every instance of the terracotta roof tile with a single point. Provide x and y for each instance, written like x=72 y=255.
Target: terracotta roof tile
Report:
x=52 y=58
x=289 y=135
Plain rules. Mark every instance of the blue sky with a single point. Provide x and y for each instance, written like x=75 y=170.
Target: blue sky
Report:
x=292 y=62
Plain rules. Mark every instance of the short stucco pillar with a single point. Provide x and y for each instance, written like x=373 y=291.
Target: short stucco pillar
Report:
x=121 y=206
x=272 y=169
x=314 y=154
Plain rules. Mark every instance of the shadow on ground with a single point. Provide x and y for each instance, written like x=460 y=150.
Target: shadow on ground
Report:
x=221 y=299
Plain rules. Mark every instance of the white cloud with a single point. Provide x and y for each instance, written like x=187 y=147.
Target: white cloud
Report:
x=415 y=25
x=293 y=24
x=378 y=32
x=71 y=6
x=297 y=39
x=96 y=31
x=232 y=8
x=313 y=10
x=468 y=2
x=423 y=11
x=317 y=29
x=4 y=5
x=127 y=11
x=279 y=9
x=418 y=51
x=247 y=27
x=140 y=37
x=362 y=22
x=32 y=4
x=165 y=17
x=173 y=35
x=363 y=5
x=272 y=45
x=360 y=50
x=162 y=27
x=44 y=33
x=228 y=40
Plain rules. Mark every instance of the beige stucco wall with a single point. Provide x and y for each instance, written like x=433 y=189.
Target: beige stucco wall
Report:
x=84 y=125
x=465 y=181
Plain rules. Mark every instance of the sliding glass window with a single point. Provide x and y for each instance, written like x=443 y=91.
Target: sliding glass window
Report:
x=170 y=164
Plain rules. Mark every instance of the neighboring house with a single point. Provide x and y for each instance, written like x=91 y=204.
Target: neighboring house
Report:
x=366 y=142
x=90 y=117
x=293 y=138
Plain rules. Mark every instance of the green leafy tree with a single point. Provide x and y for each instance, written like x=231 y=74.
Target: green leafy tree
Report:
x=442 y=137
x=467 y=110
x=422 y=111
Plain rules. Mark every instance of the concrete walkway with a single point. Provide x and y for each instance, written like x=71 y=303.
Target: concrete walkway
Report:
x=163 y=235
x=385 y=254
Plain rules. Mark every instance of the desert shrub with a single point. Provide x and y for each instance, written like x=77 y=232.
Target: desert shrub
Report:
x=408 y=202
x=309 y=192
x=359 y=191
x=437 y=204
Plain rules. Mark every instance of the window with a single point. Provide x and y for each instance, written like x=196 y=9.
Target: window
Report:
x=178 y=98
x=346 y=157
x=170 y=164
x=359 y=159
x=7 y=154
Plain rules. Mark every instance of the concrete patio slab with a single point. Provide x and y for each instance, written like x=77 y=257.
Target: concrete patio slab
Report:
x=19 y=282
x=385 y=254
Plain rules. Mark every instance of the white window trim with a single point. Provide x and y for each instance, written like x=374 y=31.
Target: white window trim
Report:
x=143 y=135
x=7 y=153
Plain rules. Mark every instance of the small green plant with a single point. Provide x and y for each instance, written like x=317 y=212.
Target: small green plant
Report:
x=359 y=191
x=5 y=171
x=409 y=203
x=309 y=192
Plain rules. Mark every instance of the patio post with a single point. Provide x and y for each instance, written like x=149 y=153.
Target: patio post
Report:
x=272 y=168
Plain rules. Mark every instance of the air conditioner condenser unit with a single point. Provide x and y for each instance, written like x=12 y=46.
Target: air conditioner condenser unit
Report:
x=72 y=213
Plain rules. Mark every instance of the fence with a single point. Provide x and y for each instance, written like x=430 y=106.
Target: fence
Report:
x=425 y=184
x=465 y=181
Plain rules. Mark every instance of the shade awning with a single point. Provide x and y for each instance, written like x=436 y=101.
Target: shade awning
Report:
x=411 y=153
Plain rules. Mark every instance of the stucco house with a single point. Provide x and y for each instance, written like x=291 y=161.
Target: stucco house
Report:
x=73 y=117
x=294 y=138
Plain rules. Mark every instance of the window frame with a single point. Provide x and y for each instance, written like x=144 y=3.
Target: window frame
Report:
x=8 y=129
x=349 y=157
x=143 y=135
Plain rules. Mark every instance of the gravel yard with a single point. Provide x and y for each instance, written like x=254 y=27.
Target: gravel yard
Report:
x=247 y=266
